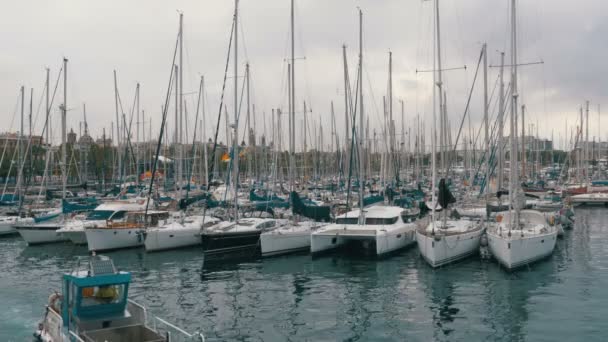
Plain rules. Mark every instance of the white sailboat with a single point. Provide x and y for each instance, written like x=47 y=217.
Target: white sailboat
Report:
x=183 y=232
x=519 y=237
x=444 y=240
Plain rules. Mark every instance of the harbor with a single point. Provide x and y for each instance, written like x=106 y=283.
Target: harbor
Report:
x=455 y=193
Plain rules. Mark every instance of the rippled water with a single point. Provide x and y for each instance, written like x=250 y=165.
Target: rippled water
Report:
x=333 y=298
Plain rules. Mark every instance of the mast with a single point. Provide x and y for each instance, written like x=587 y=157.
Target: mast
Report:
x=524 y=173
x=346 y=115
x=176 y=163
x=514 y=183
x=249 y=144
x=137 y=126
x=485 y=116
x=501 y=111
x=235 y=142
x=48 y=123
x=437 y=93
x=64 y=176
x=587 y=155
x=117 y=127
x=361 y=122
x=292 y=110
x=180 y=91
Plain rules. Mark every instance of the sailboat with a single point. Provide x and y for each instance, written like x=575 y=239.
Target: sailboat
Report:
x=519 y=237
x=444 y=240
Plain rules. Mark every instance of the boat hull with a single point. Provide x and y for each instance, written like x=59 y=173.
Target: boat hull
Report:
x=40 y=234
x=230 y=245
x=103 y=239
x=516 y=252
x=163 y=239
x=77 y=237
x=443 y=249
x=284 y=242
x=380 y=241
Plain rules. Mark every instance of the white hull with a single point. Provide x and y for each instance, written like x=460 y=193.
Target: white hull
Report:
x=6 y=228
x=100 y=239
x=283 y=241
x=442 y=249
x=77 y=237
x=385 y=238
x=589 y=199
x=158 y=239
x=516 y=251
x=40 y=234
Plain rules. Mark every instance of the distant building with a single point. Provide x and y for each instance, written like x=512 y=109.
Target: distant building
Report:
x=10 y=140
x=71 y=137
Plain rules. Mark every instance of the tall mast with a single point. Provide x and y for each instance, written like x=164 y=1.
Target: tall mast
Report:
x=587 y=154
x=117 y=126
x=137 y=125
x=64 y=174
x=524 y=172
x=176 y=162
x=485 y=115
x=235 y=152
x=439 y=84
x=204 y=135
x=346 y=113
x=249 y=142
x=391 y=129
x=48 y=122
x=514 y=182
x=292 y=110
x=180 y=90
x=501 y=111
x=361 y=136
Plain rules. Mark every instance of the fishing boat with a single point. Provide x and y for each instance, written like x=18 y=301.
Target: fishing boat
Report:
x=377 y=230
x=74 y=229
x=125 y=233
x=183 y=232
x=94 y=306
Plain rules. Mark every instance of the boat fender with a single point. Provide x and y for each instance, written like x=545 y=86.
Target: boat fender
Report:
x=484 y=240
x=551 y=220
x=498 y=218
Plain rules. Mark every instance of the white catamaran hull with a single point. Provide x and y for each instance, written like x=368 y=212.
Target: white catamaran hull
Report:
x=442 y=249
x=384 y=240
x=100 y=239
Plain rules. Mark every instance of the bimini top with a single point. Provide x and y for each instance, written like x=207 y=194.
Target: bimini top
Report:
x=96 y=292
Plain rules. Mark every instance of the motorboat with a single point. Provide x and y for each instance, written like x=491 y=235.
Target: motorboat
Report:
x=183 y=232
x=93 y=306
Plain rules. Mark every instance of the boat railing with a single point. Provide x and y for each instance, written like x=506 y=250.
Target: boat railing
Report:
x=74 y=337
x=162 y=327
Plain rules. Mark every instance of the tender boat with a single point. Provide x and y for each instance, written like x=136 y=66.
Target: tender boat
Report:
x=383 y=231
x=516 y=244
x=183 y=232
x=93 y=306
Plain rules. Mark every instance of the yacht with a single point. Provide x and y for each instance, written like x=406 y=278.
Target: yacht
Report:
x=74 y=229
x=183 y=232
x=7 y=223
x=229 y=239
x=43 y=228
x=383 y=231
x=446 y=241
x=292 y=237
x=93 y=306
x=125 y=233
x=516 y=244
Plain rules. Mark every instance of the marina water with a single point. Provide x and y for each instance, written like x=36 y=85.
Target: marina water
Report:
x=334 y=298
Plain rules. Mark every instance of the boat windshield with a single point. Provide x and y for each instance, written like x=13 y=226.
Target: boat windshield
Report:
x=347 y=220
x=100 y=215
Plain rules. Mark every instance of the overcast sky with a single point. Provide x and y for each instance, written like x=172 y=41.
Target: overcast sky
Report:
x=136 y=38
